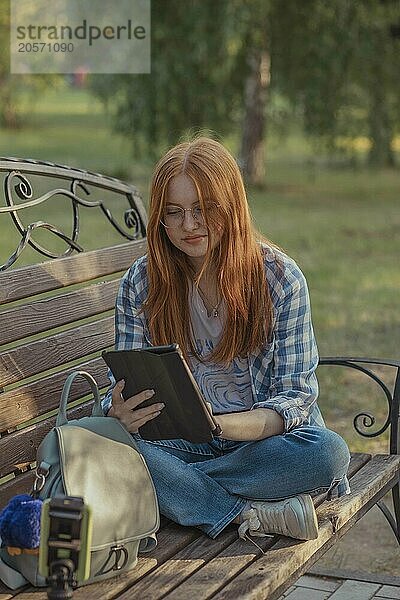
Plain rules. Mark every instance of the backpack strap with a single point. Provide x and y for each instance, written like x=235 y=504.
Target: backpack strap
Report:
x=97 y=408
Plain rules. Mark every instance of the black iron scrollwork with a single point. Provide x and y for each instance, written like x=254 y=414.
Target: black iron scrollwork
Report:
x=78 y=193
x=365 y=420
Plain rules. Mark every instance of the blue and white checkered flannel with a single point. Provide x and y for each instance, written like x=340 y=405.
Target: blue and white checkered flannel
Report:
x=282 y=374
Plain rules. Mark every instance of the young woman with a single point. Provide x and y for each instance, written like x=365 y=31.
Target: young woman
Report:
x=239 y=309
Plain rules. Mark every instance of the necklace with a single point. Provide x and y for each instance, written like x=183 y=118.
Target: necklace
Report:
x=214 y=309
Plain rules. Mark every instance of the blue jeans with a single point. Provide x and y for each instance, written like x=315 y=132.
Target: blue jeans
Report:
x=207 y=485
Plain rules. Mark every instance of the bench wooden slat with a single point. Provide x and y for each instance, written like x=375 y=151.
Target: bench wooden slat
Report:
x=357 y=461
x=31 y=593
x=52 y=275
x=221 y=570
x=51 y=352
x=180 y=566
x=19 y=485
x=171 y=540
x=21 y=446
x=39 y=397
x=43 y=315
x=367 y=482
x=267 y=574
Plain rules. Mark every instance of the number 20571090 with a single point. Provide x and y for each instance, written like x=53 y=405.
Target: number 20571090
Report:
x=45 y=47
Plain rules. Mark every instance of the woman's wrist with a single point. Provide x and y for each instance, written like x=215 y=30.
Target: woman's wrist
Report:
x=250 y=425
x=218 y=431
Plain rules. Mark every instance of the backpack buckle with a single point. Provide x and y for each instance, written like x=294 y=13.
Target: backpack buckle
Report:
x=41 y=473
x=120 y=555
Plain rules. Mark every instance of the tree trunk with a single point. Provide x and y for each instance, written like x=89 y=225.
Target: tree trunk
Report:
x=252 y=159
x=8 y=113
x=381 y=124
x=381 y=153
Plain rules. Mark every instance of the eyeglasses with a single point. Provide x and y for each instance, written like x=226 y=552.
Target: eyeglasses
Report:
x=174 y=216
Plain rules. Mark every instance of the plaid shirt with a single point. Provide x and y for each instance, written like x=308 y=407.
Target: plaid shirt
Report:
x=282 y=373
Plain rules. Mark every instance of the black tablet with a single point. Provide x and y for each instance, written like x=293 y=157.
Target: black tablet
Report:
x=164 y=369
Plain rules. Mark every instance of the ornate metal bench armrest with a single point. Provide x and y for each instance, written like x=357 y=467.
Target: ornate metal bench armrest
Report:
x=64 y=182
x=393 y=397
x=392 y=421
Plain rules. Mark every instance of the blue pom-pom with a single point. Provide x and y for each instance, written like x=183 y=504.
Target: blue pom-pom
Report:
x=20 y=522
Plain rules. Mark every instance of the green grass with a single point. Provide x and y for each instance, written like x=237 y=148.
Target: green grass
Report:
x=341 y=225
x=343 y=229
x=69 y=126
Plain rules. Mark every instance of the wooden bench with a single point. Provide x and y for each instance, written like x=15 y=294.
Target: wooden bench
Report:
x=58 y=314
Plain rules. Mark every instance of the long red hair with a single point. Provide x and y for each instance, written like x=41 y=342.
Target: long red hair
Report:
x=237 y=259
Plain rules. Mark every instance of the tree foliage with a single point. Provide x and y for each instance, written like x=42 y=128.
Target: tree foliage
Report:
x=341 y=63
x=336 y=63
x=7 y=112
x=14 y=86
x=189 y=85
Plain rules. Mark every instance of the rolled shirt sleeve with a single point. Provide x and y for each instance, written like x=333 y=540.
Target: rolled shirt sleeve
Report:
x=291 y=388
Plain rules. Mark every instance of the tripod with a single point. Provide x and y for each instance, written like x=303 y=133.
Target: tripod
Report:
x=61 y=580
x=64 y=556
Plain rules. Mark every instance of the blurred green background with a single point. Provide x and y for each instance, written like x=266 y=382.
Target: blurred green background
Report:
x=306 y=95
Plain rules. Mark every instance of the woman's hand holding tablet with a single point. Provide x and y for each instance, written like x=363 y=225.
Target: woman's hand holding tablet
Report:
x=127 y=411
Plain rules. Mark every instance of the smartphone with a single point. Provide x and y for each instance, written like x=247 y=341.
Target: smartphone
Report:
x=65 y=533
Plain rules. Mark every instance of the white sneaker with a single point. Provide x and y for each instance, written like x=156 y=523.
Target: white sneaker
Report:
x=294 y=517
